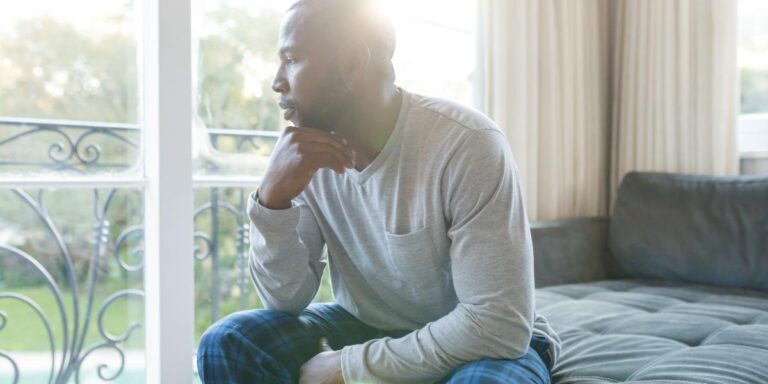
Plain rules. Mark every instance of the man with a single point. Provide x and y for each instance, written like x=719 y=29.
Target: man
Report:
x=418 y=204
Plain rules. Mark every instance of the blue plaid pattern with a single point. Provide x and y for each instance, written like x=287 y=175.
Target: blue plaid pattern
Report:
x=266 y=346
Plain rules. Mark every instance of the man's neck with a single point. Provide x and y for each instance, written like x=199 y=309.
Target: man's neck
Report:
x=369 y=128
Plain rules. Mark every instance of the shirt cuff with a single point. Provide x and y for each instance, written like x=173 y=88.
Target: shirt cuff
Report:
x=272 y=221
x=352 y=363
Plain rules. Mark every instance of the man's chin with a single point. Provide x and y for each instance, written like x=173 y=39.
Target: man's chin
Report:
x=290 y=115
x=298 y=122
x=302 y=120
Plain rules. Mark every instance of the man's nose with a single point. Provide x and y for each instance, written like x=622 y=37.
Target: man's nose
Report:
x=279 y=84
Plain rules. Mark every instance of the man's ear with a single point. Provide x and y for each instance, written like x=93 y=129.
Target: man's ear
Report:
x=358 y=61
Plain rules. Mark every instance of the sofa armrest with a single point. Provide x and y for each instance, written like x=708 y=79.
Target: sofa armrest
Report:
x=571 y=251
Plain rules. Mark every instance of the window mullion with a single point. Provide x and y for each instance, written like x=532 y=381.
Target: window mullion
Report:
x=169 y=268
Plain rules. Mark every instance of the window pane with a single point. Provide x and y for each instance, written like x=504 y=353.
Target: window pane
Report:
x=69 y=88
x=83 y=247
x=753 y=65
x=222 y=280
x=753 y=55
x=238 y=117
x=435 y=52
x=71 y=260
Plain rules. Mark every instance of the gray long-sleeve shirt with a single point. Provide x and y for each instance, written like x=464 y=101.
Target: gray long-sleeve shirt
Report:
x=432 y=236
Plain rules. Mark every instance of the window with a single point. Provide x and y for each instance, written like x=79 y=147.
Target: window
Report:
x=71 y=192
x=753 y=66
x=77 y=174
x=436 y=51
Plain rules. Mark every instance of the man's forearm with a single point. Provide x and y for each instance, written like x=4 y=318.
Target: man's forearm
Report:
x=288 y=289
x=428 y=354
x=284 y=259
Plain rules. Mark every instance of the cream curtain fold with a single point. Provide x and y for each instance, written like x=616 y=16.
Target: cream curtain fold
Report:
x=546 y=83
x=588 y=90
x=675 y=103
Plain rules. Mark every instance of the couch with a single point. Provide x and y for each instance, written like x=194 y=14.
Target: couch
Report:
x=672 y=288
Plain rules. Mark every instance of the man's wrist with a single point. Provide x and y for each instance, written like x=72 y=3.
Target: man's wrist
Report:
x=264 y=200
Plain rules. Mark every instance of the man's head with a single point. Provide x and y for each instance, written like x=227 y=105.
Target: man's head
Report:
x=331 y=53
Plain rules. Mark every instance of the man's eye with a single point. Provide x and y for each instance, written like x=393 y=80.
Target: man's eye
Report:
x=290 y=61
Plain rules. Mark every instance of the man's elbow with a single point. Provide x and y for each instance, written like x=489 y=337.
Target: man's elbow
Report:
x=514 y=342
x=288 y=298
x=507 y=333
x=290 y=308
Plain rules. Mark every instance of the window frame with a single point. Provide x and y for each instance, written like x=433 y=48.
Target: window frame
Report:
x=748 y=126
x=166 y=57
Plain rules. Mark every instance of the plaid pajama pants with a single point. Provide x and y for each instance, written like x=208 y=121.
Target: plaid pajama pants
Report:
x=266 y=346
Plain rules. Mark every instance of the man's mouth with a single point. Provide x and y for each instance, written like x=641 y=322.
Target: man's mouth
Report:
x=289 y=111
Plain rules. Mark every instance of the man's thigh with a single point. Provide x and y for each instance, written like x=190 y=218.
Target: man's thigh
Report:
x=273 y=344
x=529 y=369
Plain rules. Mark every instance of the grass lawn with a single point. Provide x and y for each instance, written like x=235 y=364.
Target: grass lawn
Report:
x=24 y=330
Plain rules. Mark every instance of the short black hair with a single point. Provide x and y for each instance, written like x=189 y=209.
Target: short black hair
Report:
x=361 y=18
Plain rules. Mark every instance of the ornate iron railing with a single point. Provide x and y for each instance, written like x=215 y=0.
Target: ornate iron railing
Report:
x=73 y=147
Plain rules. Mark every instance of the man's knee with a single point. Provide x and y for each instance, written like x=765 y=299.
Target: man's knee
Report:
x=528 y=369
x=248 y=344
x=253 y=327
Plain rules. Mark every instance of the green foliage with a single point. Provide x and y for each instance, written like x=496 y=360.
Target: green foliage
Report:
x=52 y=70
x=25 y=331
x=241 y=38
x=72 y=213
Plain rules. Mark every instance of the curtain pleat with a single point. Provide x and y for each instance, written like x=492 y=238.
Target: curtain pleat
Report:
x=675 y=98
x=552 y=56
x=588 y=90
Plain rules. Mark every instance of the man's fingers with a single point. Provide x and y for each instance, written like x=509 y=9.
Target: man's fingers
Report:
x=314 y=133
x=337 y=143
x=323 y=345
x=327 y=160
x=323 y=137
x=343 y=157
x=323 y=149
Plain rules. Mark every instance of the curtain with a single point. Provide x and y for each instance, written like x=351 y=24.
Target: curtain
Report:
x=675 y=87
x=546 y=83
x=588 y=90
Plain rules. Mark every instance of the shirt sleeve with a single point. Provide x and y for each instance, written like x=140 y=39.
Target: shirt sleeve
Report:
x=492 y=268
x=285 y=255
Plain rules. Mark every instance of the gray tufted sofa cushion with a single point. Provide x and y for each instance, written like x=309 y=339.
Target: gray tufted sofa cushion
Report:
x=651 y=331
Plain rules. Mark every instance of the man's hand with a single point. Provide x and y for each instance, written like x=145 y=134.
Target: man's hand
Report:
x=324 y=368
x=299 y=153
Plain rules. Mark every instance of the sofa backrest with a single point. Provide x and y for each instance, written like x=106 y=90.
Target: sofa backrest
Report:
x=700 y=229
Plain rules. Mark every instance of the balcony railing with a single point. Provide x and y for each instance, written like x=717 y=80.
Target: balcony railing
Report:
x=73 y=286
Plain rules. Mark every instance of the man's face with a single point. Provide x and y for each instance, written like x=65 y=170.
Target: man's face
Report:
x=313 y=90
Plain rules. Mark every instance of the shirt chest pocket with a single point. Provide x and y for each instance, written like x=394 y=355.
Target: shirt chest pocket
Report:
x=419 y=274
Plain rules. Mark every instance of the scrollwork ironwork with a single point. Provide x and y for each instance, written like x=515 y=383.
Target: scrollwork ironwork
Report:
x=136 y=252
x=101 y=367
x=76 y=146
x=73 y=334
x=15 y=377
x=72 y=151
